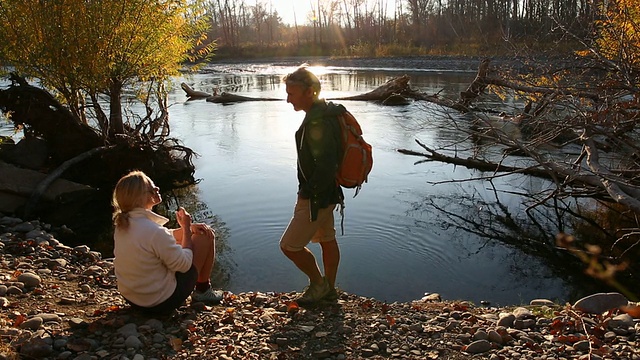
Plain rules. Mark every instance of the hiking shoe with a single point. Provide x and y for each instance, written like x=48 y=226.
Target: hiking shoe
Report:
x=314 y=293
x=332 y=295
x=209 y=296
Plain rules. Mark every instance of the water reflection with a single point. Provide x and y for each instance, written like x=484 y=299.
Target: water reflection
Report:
x=499 y=218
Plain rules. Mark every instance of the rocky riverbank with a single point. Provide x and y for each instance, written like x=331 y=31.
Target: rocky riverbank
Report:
x=60 y=302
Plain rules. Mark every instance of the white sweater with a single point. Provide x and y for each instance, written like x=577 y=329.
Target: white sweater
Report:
x=147 y=258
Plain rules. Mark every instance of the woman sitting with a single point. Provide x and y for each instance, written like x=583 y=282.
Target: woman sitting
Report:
x=158 y=268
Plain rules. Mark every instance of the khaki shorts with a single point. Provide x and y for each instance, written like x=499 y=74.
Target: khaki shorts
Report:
x=301 y=230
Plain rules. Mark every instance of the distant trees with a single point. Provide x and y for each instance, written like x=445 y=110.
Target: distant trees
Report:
x=341 y=24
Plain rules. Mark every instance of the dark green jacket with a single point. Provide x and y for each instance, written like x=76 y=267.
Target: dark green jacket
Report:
x=319 y=152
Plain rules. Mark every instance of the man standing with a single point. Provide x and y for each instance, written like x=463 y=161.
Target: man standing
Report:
x=319 y=150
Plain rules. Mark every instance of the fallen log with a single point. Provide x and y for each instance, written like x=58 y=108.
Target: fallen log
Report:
x=44 y=116
x=226 y=98
x=477 y=86
x=470 y=163
x=395 y=86
x=222 y=98
x=396 y=100
x=393 y=92
x=64 y=137
x=194 y=94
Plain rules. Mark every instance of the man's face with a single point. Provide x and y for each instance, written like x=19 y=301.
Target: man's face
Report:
x=300 y=97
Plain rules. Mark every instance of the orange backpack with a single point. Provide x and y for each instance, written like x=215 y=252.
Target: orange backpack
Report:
x=357 y=155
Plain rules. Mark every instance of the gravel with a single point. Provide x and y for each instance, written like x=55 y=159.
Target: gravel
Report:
x=61 y=302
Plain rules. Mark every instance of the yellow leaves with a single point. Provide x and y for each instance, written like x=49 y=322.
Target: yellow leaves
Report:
x=583 y=53
x=619 y=33
x=90 y=42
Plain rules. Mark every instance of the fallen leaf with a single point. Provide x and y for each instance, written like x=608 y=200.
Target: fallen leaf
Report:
x=632 y=310
x=390 y=320
x=176 y=344
x=292 y=306
x=19 y=320
x=16 y=274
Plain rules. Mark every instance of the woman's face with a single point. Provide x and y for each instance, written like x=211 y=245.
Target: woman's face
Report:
x=154 y=197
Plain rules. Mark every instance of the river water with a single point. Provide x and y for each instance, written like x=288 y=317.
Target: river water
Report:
x=394 y=247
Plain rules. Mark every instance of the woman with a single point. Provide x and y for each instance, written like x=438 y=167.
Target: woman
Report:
x=158 y=268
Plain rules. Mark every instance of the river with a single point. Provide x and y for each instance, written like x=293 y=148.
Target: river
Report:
x=395 y=247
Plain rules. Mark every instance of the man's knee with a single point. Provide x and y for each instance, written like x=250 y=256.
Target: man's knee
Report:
x=288 y=249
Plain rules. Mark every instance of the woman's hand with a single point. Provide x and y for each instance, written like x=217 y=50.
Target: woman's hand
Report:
x=183 y=218
x=203 y=229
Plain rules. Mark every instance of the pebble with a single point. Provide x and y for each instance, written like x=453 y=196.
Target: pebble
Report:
x=61 y=302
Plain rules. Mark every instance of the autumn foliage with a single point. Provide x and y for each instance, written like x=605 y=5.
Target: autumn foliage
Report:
x=619 y=31
x=94 y=49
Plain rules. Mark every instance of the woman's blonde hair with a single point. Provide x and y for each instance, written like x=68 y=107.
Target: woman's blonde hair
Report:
x=132 y=191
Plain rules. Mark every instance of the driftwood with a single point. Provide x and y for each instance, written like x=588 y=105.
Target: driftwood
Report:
x=394 y=92
x=396 y=86
x=226 y=98
x=396 y=100
x=194 y=94
x=470 y=163
x=477 y=86
x=222 y=98
x=43 y=116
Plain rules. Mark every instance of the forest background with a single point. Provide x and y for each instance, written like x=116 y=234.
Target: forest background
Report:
x=398 y=28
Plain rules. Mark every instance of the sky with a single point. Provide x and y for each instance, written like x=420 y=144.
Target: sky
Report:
x=286 y=9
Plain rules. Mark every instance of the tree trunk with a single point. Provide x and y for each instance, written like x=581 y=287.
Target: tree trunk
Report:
x=115 y=109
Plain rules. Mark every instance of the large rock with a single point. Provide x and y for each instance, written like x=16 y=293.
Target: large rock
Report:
x=30 y=280
x=30 y=152
x=601 y=302
x=17 y=185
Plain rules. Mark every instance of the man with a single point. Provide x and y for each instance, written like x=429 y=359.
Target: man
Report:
x=319 y=151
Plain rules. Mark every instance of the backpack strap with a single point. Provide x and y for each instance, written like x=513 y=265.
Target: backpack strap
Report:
x=342 y=216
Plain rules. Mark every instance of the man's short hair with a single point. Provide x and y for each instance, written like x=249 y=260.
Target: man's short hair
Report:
x=302 y=76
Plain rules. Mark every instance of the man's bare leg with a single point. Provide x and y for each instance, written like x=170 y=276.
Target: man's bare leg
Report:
x=306 y=262
x=330 y=260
